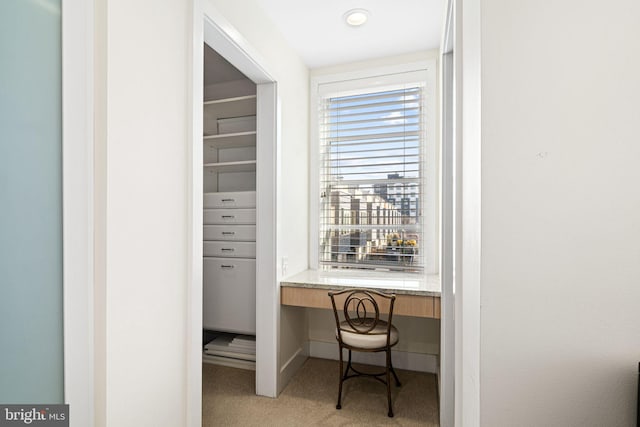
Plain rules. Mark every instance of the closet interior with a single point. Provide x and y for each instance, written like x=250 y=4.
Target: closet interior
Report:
x=229 y=217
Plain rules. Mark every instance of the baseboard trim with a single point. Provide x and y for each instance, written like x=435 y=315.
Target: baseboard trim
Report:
x=290 y=368
x=419 y=362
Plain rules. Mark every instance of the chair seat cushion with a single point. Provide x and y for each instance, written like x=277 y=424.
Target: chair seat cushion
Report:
x=376 y=338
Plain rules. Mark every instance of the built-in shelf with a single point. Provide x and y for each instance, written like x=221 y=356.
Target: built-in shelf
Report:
x=227 y=100
x=228 y=361
x=218 y=110
x=231 y=140
x=229 y=107
x=240 y=166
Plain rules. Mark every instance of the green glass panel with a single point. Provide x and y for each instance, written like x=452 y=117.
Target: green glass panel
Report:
x=31 y=349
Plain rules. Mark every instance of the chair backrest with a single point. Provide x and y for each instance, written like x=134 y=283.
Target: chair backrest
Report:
x=361 y=310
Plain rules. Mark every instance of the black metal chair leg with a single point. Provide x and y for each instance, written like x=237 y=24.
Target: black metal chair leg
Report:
x=393 y=371
x=348 y=365
x=389 y=382
x=339 y=405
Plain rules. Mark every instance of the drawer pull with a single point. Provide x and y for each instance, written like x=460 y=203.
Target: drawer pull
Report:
x=227 y=249
x=227 y=266
x=228 y=200
x=228 y=233
x=228 y=216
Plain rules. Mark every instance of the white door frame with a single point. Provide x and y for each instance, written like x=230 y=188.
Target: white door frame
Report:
x=467 y=85
x=461 y=263
x=447 y=320
x=211 y=27
x=77 y=208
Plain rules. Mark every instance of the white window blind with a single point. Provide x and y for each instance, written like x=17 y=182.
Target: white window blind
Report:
x=372 y=169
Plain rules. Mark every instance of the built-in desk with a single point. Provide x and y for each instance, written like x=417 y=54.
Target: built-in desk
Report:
x=415 y=296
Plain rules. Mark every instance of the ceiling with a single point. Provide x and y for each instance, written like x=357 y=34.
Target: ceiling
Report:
x=317 y=31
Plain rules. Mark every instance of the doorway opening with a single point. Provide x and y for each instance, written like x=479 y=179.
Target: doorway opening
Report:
x=243 y=161
x=229 y=214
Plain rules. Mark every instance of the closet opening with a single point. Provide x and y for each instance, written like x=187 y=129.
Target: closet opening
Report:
x=232 y=210
x=229 y=214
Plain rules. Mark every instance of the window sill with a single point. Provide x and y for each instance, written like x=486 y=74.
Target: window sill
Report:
x=398 y=283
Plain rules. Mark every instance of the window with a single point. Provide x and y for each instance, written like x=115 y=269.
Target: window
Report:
x=376 y=203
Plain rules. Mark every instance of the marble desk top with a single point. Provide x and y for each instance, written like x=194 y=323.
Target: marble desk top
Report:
x=398 y=283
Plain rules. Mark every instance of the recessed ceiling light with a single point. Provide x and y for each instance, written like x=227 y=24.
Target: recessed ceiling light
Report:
x=356 y=17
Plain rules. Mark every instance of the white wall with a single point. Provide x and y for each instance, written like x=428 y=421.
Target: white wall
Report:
x=406 y=58
x=142 y=127
x=560 y=317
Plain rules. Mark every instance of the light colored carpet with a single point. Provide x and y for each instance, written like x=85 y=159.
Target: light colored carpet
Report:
x=310 y=399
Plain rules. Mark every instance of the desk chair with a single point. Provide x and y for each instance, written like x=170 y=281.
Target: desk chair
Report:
x=360 y=328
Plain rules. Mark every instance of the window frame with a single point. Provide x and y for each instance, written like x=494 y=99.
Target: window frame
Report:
x=367 y=79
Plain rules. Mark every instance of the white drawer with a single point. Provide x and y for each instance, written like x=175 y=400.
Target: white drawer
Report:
x=230 y=232
x=229 y=295
x=229 y=216
x=236 y=199
x=230 y=249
